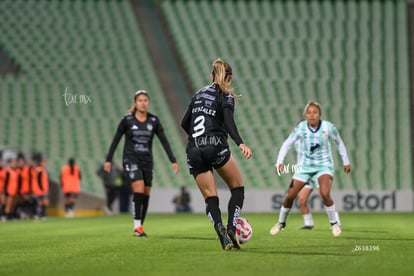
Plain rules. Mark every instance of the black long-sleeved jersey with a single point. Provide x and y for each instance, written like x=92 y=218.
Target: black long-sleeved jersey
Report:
x=138 y=140
x=209 y=118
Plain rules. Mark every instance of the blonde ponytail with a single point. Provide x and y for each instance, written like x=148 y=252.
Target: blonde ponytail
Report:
x=221 y=70
x=132 y=109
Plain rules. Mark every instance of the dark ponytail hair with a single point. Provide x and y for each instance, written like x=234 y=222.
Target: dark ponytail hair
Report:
x=72 y=165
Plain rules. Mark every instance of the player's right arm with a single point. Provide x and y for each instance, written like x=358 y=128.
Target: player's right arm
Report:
x=284 y=149
x=115 y=141
x=186 y=120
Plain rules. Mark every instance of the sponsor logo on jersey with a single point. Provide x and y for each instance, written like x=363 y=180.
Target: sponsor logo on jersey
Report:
x=208 y=103
x=205 y=96
x=134 y=127
x=314 y=147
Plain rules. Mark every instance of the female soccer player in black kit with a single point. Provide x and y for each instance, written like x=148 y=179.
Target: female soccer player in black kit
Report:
x=207 y=121
x=139 y=127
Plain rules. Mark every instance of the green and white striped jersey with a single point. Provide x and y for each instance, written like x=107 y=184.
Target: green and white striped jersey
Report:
x=313 y=146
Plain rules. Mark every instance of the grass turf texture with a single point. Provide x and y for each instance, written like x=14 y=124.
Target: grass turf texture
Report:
x=371 y=243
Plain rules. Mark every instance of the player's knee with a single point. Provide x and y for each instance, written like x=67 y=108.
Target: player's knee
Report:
x=326 y=197
x=302 y=201
x=288 y=202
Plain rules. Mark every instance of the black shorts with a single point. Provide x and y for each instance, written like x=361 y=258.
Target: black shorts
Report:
x=74 y=195
x=203 y=159
x=134 y=173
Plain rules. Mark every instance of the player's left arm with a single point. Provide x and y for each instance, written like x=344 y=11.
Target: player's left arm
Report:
x=334 y=134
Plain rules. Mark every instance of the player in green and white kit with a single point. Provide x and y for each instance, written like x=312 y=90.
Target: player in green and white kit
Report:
x=316 y=161
x=304 y=194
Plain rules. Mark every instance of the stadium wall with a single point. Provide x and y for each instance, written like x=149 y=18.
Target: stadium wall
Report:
x=264 y=201
x=256 y=201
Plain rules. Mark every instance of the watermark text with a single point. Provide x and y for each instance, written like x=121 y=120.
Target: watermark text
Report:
x=366 y=248
x=288 y=168
x=75 y=98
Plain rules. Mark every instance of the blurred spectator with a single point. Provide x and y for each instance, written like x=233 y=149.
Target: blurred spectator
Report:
x=70 y=178
x=182 y=201
x=10 y=189
x=125 y=193
x=25 y=191
x=40 y=181
x=112 y=182
x=2 y=195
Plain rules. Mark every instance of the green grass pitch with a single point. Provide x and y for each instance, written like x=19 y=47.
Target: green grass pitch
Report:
x=370 y=244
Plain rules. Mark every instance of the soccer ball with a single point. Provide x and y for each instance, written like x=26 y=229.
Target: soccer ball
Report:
x=244 y=230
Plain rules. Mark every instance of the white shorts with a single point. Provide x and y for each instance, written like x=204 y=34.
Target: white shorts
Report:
x=310 y=176
x=312 y=183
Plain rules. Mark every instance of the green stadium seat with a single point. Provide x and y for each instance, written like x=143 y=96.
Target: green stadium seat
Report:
x=284 y=53
x=319 y=50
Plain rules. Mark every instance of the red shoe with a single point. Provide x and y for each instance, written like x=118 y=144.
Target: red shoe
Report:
x=139 y=232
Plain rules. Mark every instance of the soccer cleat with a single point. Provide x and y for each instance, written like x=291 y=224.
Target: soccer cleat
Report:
x=235 y=240
x=226 y=242
x=340 y=226
x=306 y=227
x=336 y=230
x=139 y=232
x=276 y=229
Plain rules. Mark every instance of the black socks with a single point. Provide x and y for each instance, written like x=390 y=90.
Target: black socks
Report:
x=138 y=200
x=235 y=206
x=213 y=210
x=144 y=208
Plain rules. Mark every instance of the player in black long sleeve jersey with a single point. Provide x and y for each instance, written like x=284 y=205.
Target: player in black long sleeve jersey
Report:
x=208 y=121
x=139 y=128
